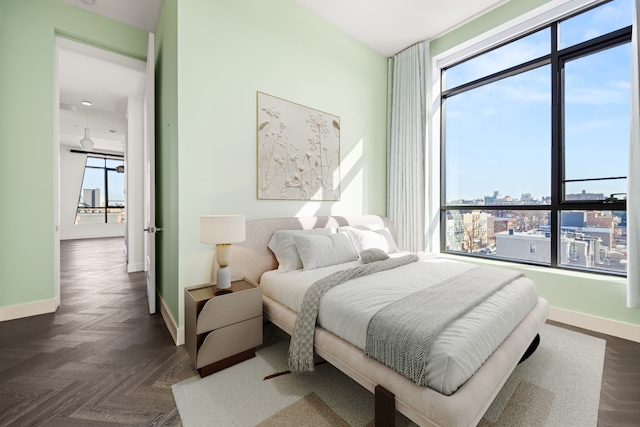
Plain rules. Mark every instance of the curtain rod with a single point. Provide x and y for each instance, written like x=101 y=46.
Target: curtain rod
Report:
x=121 y=156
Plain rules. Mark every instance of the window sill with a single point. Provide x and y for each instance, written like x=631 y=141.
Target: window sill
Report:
x=537 y=269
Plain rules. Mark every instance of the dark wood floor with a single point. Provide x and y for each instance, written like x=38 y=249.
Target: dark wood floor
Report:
x=102 y=360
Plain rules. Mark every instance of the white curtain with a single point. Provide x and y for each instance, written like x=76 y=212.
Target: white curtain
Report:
x=633 y=179
x=406 y=147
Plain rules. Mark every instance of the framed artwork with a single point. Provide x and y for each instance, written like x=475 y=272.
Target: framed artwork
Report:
x=298 y=151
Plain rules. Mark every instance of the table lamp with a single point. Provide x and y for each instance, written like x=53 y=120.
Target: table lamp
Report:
x=223 y=230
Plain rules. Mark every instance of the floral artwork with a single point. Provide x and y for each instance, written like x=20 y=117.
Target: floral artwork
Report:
x=298 y=151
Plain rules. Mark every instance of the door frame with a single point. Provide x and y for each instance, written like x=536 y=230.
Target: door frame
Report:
x=135 y=168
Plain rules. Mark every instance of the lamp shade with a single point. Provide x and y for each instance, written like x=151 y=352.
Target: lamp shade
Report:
x=86 y=143
x=221 y=229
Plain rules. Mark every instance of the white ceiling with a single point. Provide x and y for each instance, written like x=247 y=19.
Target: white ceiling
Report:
x=107 y=80
x=137 y=13
x=389 y=26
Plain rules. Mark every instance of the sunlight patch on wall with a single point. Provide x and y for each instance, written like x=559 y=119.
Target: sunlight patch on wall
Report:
x=352 y=185
x=309 y=209
x=352 y=159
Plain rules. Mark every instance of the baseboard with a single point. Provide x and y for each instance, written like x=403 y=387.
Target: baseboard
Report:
x=96 y=235
x=19 y=311
x=176 y=332
x=597 y=324
x=136 y=267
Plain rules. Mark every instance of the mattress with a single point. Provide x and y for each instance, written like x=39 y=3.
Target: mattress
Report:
x=457 y=352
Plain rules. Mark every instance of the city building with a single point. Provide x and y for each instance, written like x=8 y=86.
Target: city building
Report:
x=91 y=197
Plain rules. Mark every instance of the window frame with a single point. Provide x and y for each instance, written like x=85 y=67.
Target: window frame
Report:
x=550 y=16
x=106 y=169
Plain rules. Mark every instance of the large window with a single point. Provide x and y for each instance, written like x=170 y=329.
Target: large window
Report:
x=535 y=136
x=102 y=194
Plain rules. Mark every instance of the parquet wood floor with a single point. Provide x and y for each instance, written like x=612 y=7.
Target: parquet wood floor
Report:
x=102 y=360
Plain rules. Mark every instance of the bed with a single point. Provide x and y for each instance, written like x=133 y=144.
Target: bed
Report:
x=461 y=404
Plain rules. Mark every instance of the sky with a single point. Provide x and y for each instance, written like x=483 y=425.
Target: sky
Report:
x=498 y=136
x=94 y=178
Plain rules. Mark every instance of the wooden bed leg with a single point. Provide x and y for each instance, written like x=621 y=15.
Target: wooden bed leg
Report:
x=385 y=414
x=532 y=347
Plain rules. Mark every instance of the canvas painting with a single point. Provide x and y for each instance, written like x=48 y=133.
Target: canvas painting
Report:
x=298 y=151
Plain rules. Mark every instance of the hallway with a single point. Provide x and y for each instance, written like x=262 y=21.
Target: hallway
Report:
x=100 y=359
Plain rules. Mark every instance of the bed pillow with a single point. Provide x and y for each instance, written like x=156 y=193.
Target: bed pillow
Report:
x=362 y=227
x=367 y=239
x=373 y=255
x=321 y=251
x=284 y=247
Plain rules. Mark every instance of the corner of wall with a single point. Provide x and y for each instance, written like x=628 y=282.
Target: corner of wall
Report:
x=177 y=333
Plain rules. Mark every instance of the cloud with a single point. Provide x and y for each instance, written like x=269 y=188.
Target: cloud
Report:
x=616 y=95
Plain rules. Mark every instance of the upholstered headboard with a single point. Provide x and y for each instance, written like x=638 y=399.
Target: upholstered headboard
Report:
x=252 y=257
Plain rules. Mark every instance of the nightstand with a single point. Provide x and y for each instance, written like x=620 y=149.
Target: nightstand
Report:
x=222 y=330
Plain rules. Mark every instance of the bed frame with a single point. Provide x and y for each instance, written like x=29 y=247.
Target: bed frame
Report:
x=422 y=405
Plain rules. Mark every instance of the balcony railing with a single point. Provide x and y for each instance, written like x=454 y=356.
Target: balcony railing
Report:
x=100 y=215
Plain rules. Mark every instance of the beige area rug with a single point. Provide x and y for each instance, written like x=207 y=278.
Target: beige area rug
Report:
x=559 y=385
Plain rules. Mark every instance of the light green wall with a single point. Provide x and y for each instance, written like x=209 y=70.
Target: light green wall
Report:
x=229 y=50
x=167 y=172
x=508 y=11
x=27 y=31
x=594 y=295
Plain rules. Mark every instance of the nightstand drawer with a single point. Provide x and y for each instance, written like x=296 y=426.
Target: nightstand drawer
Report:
x=228 y=309
x=225 y=342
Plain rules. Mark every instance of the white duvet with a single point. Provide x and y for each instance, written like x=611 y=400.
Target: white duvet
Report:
x=457 y=352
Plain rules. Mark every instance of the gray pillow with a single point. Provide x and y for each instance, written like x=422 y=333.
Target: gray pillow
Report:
x=372 y=255
x=322 y=251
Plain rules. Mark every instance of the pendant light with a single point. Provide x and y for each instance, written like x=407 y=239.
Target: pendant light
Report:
x=86 y=143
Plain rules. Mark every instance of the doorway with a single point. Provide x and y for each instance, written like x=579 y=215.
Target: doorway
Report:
x=99 y=95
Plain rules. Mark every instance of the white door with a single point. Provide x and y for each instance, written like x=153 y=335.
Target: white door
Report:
x=149 y=178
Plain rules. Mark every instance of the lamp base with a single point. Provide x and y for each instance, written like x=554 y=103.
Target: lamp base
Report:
x=223 y=278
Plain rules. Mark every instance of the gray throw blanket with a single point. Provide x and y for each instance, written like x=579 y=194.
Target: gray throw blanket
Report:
x=401 y=333
x=301 y=346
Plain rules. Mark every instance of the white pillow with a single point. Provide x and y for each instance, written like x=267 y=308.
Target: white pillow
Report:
x=321 y=251
x=367 y=239
x=284 y=247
